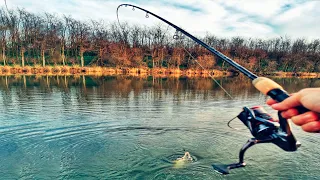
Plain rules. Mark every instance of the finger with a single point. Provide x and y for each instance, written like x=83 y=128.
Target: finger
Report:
x=290 y=102
x=271 y=101
x=289 y=113
x=305 y=118
x=313 y=126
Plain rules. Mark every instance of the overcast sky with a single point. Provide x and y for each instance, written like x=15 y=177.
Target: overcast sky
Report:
x=224 y=18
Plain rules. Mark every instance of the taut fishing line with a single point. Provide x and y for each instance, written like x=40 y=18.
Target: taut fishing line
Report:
x=177 y=37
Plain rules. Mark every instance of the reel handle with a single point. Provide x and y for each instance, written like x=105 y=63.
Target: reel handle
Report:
x=274 y=90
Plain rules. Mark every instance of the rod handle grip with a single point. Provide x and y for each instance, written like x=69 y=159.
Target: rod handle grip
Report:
x=274 y=90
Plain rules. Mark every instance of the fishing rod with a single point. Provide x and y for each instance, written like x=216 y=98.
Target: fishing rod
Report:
x=263 y=84
x=261 y=125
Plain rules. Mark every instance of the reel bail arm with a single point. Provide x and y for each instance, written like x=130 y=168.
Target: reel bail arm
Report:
x=225 y=169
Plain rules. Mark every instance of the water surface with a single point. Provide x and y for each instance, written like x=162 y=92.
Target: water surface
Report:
x=133 y=127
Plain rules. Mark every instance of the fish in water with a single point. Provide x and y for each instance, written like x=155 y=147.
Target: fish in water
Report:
x=182 y=161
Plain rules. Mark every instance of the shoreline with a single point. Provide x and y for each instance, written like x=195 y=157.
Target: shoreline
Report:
x=107 y=71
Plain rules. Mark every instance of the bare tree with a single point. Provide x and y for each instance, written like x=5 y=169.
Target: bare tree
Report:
x=100 y=41
x=4 y=28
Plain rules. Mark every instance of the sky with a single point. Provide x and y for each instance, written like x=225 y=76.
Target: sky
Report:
x=223 y=18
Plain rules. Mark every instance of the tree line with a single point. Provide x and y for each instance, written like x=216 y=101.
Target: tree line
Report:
x=47 y=39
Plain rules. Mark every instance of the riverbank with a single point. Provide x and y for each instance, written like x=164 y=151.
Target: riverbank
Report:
x=292 y=74
x=107 y=71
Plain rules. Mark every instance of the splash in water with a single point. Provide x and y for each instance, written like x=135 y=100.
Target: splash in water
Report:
x=182 y=161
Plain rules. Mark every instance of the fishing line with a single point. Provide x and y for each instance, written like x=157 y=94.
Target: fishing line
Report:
x=210 y=75
x=177 y=37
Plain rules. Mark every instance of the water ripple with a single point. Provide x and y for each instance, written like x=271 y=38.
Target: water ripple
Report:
x=70 y=131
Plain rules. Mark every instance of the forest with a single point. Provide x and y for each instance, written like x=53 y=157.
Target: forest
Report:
x=28 y=39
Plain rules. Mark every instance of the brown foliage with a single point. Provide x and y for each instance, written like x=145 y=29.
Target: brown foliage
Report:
x=43 y=39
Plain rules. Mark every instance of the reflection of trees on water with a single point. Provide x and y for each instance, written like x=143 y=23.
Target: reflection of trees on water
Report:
x=85 y=88
x=295 y=84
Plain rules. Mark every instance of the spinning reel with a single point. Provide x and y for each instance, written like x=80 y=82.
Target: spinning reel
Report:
x=264 y=130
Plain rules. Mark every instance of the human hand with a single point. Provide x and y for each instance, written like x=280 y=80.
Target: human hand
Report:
x=310 y=99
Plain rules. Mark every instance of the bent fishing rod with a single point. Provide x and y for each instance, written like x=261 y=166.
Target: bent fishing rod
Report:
x=261 y=125
x=263 y=84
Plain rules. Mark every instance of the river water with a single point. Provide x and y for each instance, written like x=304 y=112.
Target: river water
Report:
x=134 y=127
